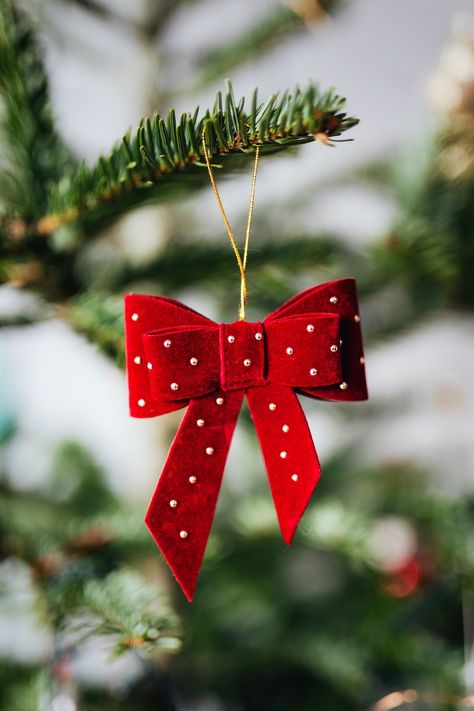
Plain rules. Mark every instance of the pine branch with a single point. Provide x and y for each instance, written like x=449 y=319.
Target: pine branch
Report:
x=33 y=152
x=186 y=264
x=70 y=536
x=124 y=606
x=429 y=250
x=164 y=157
x=282 y=21
x=100 y=318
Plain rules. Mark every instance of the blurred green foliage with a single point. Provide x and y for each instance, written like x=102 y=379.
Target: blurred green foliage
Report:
x=321 y=624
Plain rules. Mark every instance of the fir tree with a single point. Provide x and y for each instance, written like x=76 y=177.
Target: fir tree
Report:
x=320 y=625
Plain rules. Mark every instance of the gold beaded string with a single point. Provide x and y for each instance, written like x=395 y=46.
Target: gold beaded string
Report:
x=241 y=263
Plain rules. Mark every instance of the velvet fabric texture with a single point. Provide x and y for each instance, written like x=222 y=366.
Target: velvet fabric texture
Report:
x=176 y=357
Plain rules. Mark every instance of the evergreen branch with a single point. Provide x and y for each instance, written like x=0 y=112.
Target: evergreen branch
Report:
x=33 y=152
x=279 y=22
x=147 y=27
x=100 y=318
x=69 y=536
x=124 y=606
x=185 y=264
x=96 y=8
x=164 y=156
x=282 y=21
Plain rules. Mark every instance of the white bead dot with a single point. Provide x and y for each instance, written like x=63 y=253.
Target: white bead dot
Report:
x=192 y=480
x=294 y=477
x=231 y=339
x=200 y=423
x=272 y=406
x=310 y=328
x=149 y=365
x=135 y=317
x=289 y=350
x=209 y=450
x=362 y=360
x=193 y=361
x=173 y=503
x=219 y=400
x=357 y=318
x=333 y=299
x=313 y=371
x=283 y=454
x=247 y=362
x=183 y=534
x=343 y=386
x=285 y=428
x=137 y=360
x=334 y=348
x=258 y=336
x=141 y=402
x=167 y=343
x=174 y=386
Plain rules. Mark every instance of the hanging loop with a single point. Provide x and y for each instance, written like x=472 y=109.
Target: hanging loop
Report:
x=241 y=262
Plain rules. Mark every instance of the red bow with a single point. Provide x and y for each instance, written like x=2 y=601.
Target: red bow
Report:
x=176 y=357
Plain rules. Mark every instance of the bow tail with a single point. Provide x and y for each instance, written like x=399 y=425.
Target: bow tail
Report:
x=288 y=450
x=181 y=510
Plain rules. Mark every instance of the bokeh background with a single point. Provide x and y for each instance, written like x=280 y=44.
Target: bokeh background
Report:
x=372 y=607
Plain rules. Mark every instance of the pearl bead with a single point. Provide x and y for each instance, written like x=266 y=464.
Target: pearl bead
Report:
x=141 y=402
x=285 y=428
x=192 y=480
x=333 y=300
x=167 y=343
x=258 y=336
x=220 y=400
x=183 y=534
x=193 y=361
x=343 y=386
x=247 y=362
x=272 y=406
x=173 y=503
x=334 y=349
x=283 y=455
x=310 y=328
x=289 y=350
x=135 y=317
x=174 y=386
x=357 y=318
x=294 y=477
x=209 y=450
x=149 y=365
x=137 y=360
x=313 y=371
x=231 y=339
x=200 y=423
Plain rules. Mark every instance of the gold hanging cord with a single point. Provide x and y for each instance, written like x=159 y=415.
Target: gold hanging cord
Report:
x=241 y=263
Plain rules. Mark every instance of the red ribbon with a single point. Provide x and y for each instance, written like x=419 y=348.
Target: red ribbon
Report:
x=177 y=357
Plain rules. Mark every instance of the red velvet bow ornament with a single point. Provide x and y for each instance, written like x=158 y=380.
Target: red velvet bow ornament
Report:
x=176 y=357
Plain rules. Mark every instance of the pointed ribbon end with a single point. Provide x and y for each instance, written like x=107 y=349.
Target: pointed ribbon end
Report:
x=185 y=570
x=288 y=532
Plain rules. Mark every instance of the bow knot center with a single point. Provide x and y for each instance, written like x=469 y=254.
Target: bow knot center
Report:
x=242 y=354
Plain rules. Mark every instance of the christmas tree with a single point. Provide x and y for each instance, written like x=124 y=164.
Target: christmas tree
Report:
x=370 y=606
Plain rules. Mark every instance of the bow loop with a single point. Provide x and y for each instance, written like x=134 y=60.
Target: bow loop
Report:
x=182 y=362
x=304 y=351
